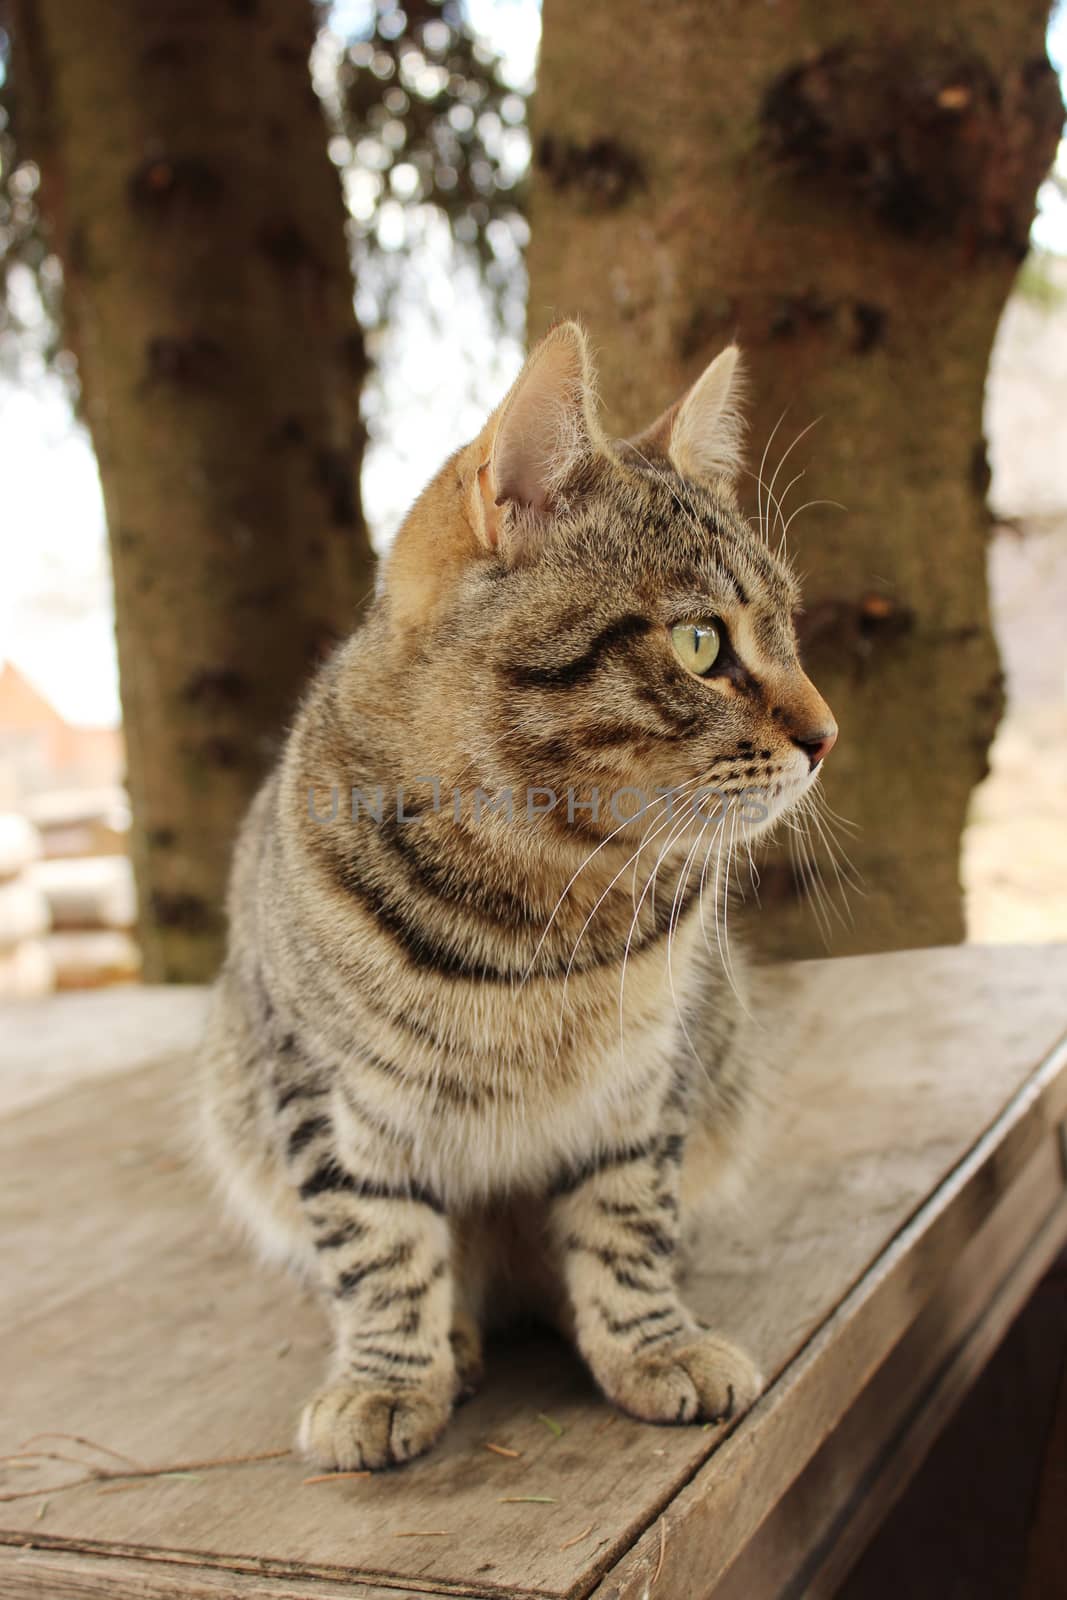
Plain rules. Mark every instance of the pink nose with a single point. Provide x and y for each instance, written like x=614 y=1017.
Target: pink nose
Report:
x=816 y=746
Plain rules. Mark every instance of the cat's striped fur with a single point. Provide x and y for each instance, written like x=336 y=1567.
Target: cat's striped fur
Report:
x=476 y=1063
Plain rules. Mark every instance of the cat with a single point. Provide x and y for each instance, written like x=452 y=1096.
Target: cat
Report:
x=469 y=1056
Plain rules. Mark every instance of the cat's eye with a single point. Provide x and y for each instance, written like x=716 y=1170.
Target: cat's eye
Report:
x=696 y=644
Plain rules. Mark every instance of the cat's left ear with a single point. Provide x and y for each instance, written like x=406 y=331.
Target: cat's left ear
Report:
x=702 y=433
x=536 y=443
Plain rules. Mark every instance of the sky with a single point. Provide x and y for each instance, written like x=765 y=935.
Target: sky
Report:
x=55 y=608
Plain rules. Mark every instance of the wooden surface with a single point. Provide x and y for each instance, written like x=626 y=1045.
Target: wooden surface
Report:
x=911 y=1191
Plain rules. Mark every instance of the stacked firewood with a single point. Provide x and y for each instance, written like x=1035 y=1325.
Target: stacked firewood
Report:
x=26 y=968
x=81 y=877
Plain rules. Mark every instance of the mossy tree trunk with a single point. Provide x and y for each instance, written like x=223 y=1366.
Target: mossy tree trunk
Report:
x=208 y=293
x=848 y=191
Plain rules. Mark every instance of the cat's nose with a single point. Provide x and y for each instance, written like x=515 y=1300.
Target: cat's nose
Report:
x=816 y=746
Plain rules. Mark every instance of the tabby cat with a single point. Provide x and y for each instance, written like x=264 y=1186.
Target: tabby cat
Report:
x=469 y=1052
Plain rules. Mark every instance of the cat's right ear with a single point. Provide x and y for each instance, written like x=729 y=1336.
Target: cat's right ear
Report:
x=535 y=445
x=702 y=433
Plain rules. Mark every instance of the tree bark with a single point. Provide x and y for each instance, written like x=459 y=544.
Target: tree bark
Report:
x=208 y=293
x=848 y=191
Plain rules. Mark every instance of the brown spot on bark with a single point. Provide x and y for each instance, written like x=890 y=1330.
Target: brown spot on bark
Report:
x=932 y=139
x=213 y=687
x=290 y=430
x=981 y=473
x=842 y=628
x=798 y=312
x=603 y=172
x=868 y=323
x=78 y=249
x=177 y=910
x=165 y=54
x=161 y=838
x=193 y=361
x=703 y=326
x=161 y=183
x=334 y=471
x=218 y=751
x=283 y=242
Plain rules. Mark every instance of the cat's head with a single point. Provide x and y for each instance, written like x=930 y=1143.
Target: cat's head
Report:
x=577 y=612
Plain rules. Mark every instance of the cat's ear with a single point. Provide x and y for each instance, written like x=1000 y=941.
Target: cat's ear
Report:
x=537 y=441
x=702 y=434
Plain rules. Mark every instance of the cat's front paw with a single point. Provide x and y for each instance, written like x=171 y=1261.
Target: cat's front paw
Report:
x=348 y=1427
x=698 y=1378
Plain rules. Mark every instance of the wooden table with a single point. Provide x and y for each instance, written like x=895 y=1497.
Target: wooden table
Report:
x=912 y=1194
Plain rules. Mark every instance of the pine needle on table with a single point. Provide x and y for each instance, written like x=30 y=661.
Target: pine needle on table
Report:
x=109 y=1475
x=578 y=1537
x=332 y=1477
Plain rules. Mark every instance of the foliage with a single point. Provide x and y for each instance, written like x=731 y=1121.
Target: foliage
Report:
x=427 y=127
x=30 y=277
x=432 y=129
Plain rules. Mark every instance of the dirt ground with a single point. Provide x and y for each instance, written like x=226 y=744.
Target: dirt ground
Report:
x=1014 y=864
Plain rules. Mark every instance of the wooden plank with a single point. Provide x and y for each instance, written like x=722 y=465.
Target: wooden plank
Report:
x=69 y=1575
x=46 y=1045
x=823 y=1523
x=128 y=1315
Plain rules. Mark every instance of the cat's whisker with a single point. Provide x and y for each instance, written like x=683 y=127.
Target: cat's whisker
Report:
x=753 y=870
x=835 y=816
x=625 y=823
x=784 y=495
x=730 y=859
x=785 y=457
x=722 y=865
x=801 y=872
x=718 y=847
x=764 y=518
x=715 y=847
x=672 y=928
x=599 y=902
x=684 y=791
x=845 y=871
x=765 y=526
x=676 y=834
x=700 y=894
x=806 y=507
x=825 y=908
x=688 y=790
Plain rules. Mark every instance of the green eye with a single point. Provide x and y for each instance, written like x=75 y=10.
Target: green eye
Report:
x=696 y=644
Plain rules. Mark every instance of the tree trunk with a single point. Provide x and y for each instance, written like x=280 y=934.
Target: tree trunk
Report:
x=848 y=191
x=209 y=299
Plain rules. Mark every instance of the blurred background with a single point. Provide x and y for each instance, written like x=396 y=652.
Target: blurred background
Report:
x=121 y=333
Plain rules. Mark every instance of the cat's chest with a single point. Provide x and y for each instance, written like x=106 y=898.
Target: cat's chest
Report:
x=527 y=1140
x=550 y=1102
